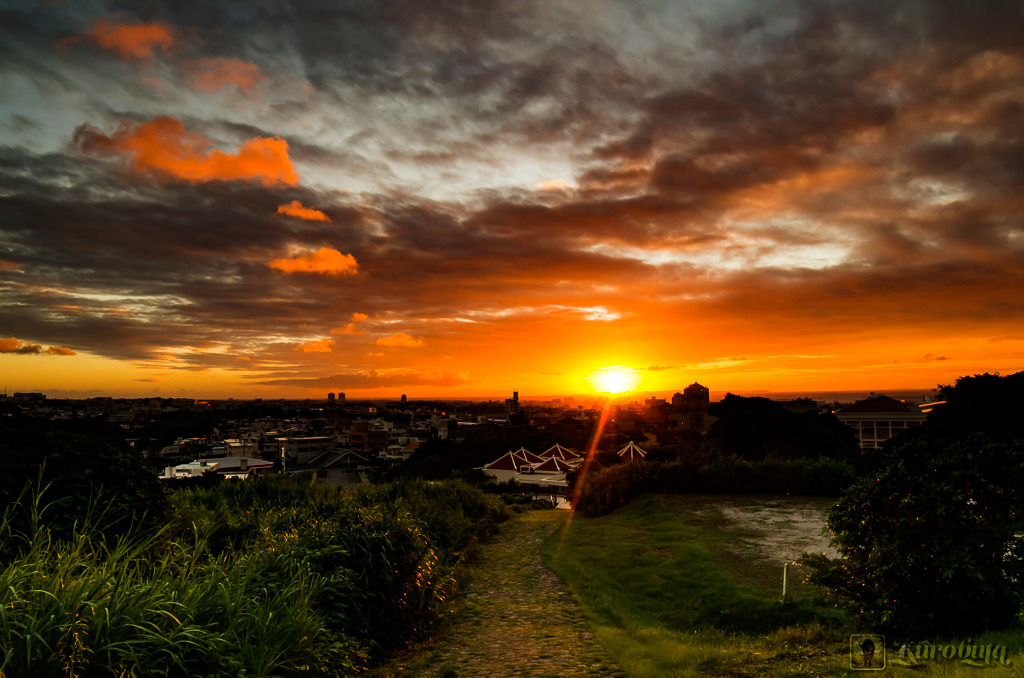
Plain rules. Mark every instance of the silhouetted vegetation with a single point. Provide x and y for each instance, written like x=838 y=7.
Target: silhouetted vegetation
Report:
x=933 y=538
x=83 y=464
x=758 y=428
x=438 y=459
x=614 y=486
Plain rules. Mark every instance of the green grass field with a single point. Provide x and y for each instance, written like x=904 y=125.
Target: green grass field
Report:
x=674 y=587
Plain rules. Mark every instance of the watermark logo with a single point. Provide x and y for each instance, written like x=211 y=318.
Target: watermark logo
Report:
x=965 y=652
x=867 y=652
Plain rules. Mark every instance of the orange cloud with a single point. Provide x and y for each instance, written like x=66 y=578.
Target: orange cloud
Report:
x=401 y=340
x=317 y=346
x=164 y=146
x=556 y=185
x=8 y=265
x=298 y=210
x=213 y=75
x=325 y=260
x=12 y=345
x=133 y=41
x=351 y=328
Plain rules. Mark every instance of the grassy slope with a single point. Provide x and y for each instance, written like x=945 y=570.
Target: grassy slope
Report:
x=272 y=577
x=660 y=588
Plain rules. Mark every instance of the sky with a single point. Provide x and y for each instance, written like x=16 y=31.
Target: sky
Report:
x=269 y=199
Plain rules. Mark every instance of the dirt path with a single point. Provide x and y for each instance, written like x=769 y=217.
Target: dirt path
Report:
x=517 y=618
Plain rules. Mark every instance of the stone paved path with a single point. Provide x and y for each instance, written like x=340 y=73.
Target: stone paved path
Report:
x=517 y=618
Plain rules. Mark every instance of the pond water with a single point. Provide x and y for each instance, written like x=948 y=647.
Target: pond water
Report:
x=785 y=527
x=752 y=536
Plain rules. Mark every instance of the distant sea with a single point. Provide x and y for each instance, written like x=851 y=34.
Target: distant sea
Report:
x=910 y=395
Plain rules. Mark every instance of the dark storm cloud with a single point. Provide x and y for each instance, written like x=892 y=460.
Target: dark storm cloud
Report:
x=638 y=220
x=849 y=301
x=99 y=257
x=893 y=133
x=138 y=265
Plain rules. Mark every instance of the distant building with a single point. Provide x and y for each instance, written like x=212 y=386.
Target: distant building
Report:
x=228 y=467
x=512 y=404
x=878 y=418
x=363 y=438
x=556 y=451
x=330 y=398
x=507 y=466
x=693 y=404
x=445 y=427
x=304 y=450
x=234 y=447
x=697 y=397
x=405 y=399
x=192 y=469
x=544 y=472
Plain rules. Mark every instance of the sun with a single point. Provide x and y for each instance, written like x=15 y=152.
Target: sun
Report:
x=614 y=379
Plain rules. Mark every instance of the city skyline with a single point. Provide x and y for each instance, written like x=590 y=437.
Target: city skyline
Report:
x=463 y=199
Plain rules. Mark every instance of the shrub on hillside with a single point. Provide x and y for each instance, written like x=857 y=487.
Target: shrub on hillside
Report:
x=85 y=467
x=932 y=540
x=822 y=477
x=453 y=514
x=931 y=533
x=385 y=554
x=610 y=488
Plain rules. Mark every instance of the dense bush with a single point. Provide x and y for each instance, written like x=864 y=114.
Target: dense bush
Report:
x=931 y=534
x=386 y=552
x=933 y=541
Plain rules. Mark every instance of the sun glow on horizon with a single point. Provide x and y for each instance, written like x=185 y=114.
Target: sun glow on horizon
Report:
x=614 y=379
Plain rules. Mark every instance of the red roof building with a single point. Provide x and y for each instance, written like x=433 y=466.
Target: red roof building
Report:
x=553 y=465
x=530 y=469
x=509 y=461
x=527 y=456
x=556 y=451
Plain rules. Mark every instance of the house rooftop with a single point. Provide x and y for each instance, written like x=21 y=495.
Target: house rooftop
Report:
x=877 y=403
x=632 y=451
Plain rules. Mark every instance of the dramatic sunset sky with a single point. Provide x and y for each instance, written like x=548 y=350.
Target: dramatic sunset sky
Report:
x=257 y=198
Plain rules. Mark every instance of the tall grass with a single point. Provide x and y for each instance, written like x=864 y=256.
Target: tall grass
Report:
x=269 y=578
x=87 y=607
